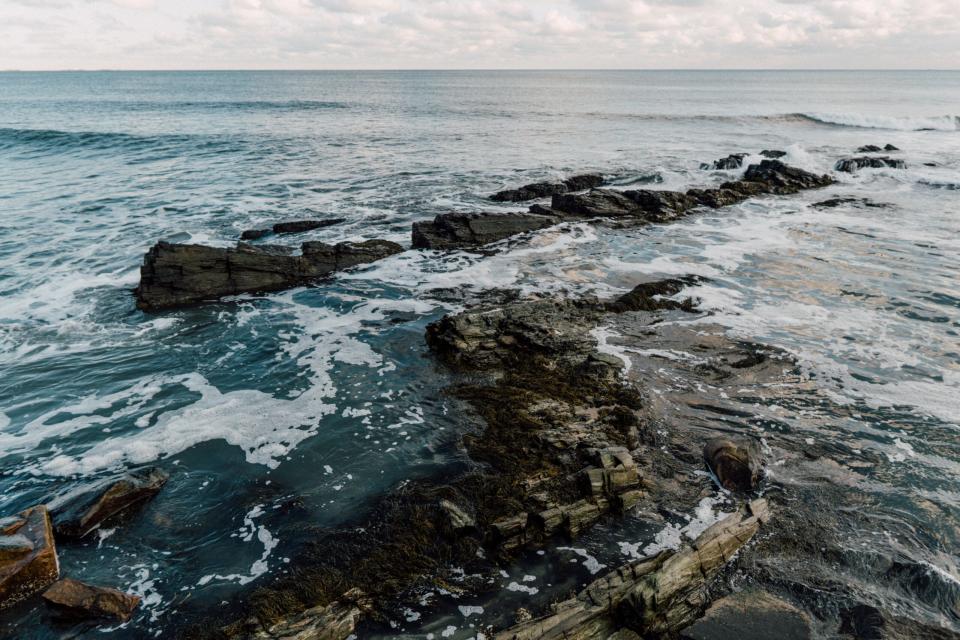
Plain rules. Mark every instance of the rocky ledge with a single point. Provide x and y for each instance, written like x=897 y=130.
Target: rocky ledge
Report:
x=850 y=165
x=546 y=189
x=175 y=275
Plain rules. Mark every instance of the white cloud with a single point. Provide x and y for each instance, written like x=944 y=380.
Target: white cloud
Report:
x=478 y=34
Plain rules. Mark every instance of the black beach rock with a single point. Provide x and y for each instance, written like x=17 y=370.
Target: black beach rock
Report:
x=456 y=230
x=174 y=275
x=78 y=515
x=849 y=165
x=83 y=600
x=733 y=161
x=773 y=154
x=872 y=148
x=294 y=226
x=546 y=189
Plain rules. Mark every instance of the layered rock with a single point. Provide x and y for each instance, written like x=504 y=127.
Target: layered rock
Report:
x=458 y=230
x=79 y=514
x=335 y=621
x=29 y=559
x=654 y=596
x=83 y=600
x=546 y=189
x=752 y=615
x=295 y=226
x=850 y=165
x=736 y=465
x=175 y=275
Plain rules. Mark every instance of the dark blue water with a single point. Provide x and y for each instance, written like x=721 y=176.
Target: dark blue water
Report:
x=323 y=397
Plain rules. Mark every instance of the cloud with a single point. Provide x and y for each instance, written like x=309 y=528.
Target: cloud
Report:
x=474 y=33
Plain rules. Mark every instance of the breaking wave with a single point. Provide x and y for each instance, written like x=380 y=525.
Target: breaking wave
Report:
x=864 y=121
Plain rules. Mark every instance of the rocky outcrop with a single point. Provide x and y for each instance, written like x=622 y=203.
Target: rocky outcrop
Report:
x=29 y=559
x=736 y=465
x=773 y=154
x=733 y=161
x=335 y=621
x=175 y=275
x=750 y=615
x=872 y=148
x=84 y=600
x=76 y=515
x=850 y=165
x=459 y=230
x=546 y=189
x=295 y=226
x=654 y=596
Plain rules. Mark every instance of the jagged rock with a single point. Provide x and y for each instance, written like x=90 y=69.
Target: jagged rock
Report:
x=863 y=622
x=458 y=520
x=181 y=274
x=872 y=148
x=832 y=203
x=652 y=296
x=890 y=147
x=753 y=615
x=335 y=621
x=458 y=230
x=76 y=515
x=544 y=189
x=657 y=595
x=777 y=178
x=737 y=466
x=733 y=161
x=86 y=600
x=850 y=165
x=773 y=154
x=24 y=572
x=599 y=203
x=294 y=226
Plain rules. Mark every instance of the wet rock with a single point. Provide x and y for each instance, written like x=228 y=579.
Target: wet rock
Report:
x=832 y=203
x=9 y=524
x=863 y=622
x=599 y=203
x=459 y=521
x=84 y=600
x=15 y=546
x=733 y=161
x=459 y=230
x=652 y=296
x=851 y=165
x=255 y=234
x=294 y=226
x=624 y=634
x=890 y=147
x=775 y=177
x=661 y=206
x=335 y=621
x=545 y=189
x=654 y=596
x=773 y=154
x=754 y=615
x=24 y=572
x=79 y=514
x=736 y=465
x=872 y=148
x=175 y=275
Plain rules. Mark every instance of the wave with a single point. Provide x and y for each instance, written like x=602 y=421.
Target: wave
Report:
x=904 y=123
x=56 y=140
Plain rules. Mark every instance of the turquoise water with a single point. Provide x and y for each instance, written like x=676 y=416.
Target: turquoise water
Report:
x=302 y=406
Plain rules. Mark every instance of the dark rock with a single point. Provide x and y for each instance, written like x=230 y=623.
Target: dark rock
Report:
x=182 y=274
x=737 y=466
x=335 y=621
x=660 y=206
x=841 y=201
x=733 y=161
x=85 y=600
x=863 y=622
x=890 y=147
x=754 y=615
x=545 y=189
x=459 y=520
x=773 y=154
x=850 y=165
x=780 y=179
x=24 y=572
x=599 y=203
x=458 y=230
x=299 y=226
x=80 y=514
x=650 y=296
x=255 y=234
x=869 y=148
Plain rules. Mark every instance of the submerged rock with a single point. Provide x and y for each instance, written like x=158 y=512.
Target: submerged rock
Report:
x=545 y=189
x=458 y=230
x=29 y=560
x=295 y=226
x=733 y=161
x=657 y=595
x=335 y=621
x=773 y=154
x=753 y=615
x=80 y=599
x=81 y=514
x=175 y=275
x=736 y=465
x=850 y=165
x=872 y=148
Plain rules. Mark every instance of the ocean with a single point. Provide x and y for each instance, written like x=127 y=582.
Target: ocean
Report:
x=296 y=409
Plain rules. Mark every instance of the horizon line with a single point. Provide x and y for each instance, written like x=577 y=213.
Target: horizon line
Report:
x=485 y=69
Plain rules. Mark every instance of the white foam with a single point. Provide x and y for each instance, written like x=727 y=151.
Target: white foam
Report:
x=247 y=532
x=673 y=535
x=902 y=123
x=589 y=562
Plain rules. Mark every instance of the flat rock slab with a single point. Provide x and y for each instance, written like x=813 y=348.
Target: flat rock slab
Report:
x=24 y=574
x=294 y=226
x=546 y=189
x=176 y=275
x=86 y=600
x=753 y=615
x=81 y=514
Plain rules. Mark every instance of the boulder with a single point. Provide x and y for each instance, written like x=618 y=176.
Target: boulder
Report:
x=773 y=154
x=30 y=560
x=736 y=466
x=752 y=615
x=84 y=600
x=872 y=148
x=175 y=275
x=733 y=161
x=775 y=177
x=545 y=189
x=890 y=147
x=599 y=203
x=850 y=165
x=460 y=230
x=78 y=514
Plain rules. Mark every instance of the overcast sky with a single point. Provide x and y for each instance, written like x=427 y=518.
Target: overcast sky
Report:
x=390 y=34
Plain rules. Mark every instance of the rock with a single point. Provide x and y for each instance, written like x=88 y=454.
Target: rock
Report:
x=255 y=234
x=545 y=189
x=14 y=546
x=652 y=296
x=869 y=148
x=175 y=275
x=890 y=147
x=850 y=165
x=840 y=201
x=23 y=573
x=655 y=596
x=9 y=524
x=753 y=615
x=459 y=230
x=86 y=600
x=737 y=466
x=295 y=226
x=78 y=515
x=599 y=203
x=863 y=622
x=773 y=154
x=458 y=520
x=335 y=621
x=778 y=178
x=624 y=634
x=733 y=161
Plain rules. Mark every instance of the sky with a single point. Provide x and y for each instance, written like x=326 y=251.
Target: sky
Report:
x=487 y=34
